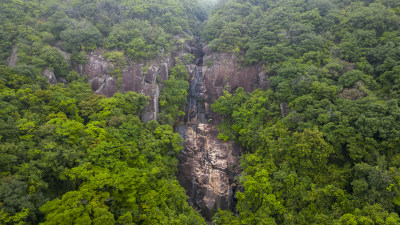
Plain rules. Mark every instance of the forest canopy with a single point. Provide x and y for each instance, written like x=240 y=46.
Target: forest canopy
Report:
x=322 y=142
x=67 y=155
x=71 y=157
x=333 y=66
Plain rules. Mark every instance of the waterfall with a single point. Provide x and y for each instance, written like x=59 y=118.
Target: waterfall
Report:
x=194 y=93
x=205 y=169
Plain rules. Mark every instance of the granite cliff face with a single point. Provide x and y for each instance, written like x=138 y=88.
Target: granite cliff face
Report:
x=208 y=166
x=134 y=78
x=49 y=76
x=224 y=72
x=207 y=169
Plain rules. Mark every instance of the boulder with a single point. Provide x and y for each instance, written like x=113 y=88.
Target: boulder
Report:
x=49 y=76
x=151 y=74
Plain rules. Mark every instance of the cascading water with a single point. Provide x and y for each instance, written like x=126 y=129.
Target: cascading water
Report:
x=207 y=166
x=194 y=94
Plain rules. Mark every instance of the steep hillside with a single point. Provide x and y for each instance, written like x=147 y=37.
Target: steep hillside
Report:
x=69 y=155
x=261 y=111
x=322 y=142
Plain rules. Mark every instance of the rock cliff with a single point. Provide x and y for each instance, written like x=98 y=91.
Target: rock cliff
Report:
x=49 y=76
x=207 y=169
x=208 y=166
x=134 y=77
x=224 y=72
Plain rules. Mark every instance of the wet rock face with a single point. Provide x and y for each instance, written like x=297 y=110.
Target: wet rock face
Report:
x=208 y=166
x=134 y=79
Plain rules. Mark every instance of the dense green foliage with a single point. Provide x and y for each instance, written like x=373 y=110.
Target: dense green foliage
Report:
x=68 y=156
x=173 y=97
x=71 y=157
x=143 y=30
x=334 y=159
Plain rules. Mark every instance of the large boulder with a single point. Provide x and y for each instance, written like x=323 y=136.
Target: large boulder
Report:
x=49 y=76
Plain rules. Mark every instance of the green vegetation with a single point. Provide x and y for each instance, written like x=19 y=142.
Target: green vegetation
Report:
x=68 y=156
x=173 y=98
x=141 y=29
x=71 y=157
x=334 y=159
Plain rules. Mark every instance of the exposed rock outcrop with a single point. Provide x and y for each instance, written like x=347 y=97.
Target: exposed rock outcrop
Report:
x=224 y=72
x=285 y=110
x=49 y=76
x=208 y=166
x=12 y=60
x=99 y=70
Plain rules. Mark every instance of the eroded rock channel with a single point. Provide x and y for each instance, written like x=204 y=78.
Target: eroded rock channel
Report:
x=207 y=166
